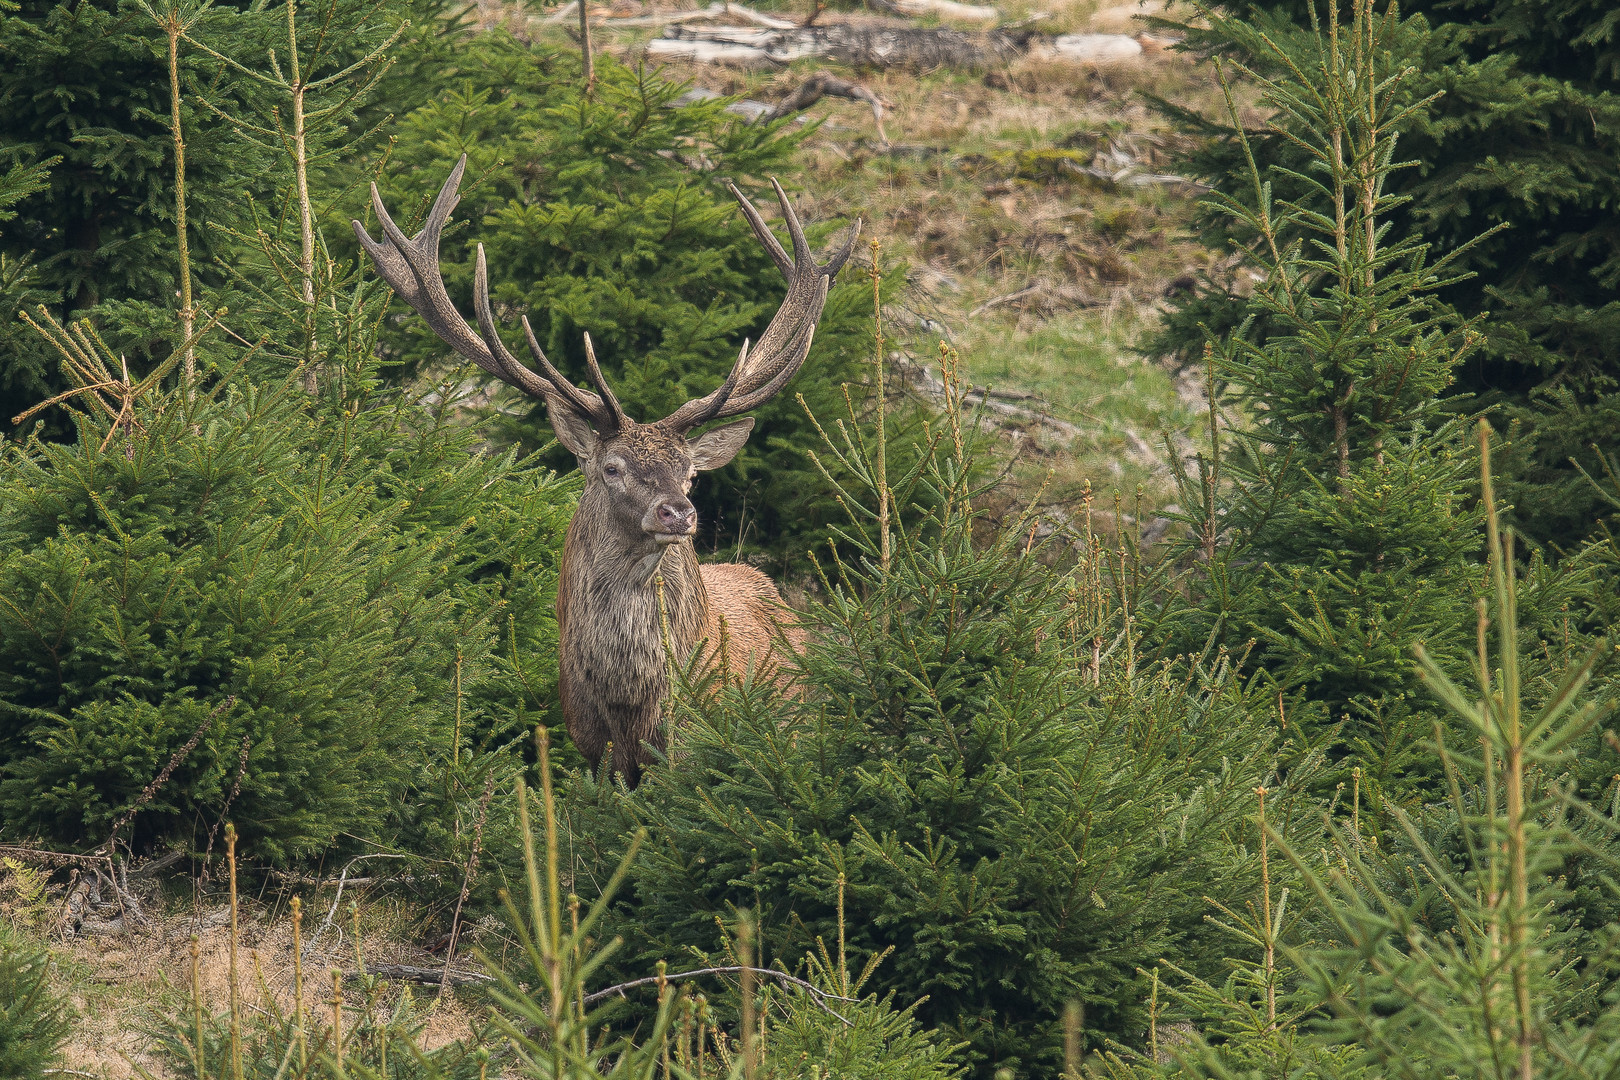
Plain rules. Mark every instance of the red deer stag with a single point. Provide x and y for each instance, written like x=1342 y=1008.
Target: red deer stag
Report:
x=634 y=523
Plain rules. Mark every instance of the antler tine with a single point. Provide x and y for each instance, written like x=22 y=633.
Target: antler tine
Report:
x=582 y=401
x=762 y=232
x=723 y=394
x=836 y=263
x=390 y=265
x=411 y=269
x=782 y=349
x=761 y=379
x=801 y=246
x=512 y=370
x=444 y=204
x=612 y=403
x=806 y=334
x=693 y=413
x=721 y=404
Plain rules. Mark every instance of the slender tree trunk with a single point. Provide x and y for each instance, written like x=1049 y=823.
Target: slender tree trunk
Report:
x=306 y=215
x=585 y=45
x=1212 y=473
x=1518 y=883
x=188 y=317
x=882 y=412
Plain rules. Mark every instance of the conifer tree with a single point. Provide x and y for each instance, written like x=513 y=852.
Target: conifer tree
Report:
x=1333 y=527
x=34 y=1018
x=1526 y=134
x=980 y=772
x=1477 y=939
x=87 y=84
x=295 y=618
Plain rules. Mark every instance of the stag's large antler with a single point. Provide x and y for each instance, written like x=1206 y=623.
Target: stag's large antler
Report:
x=411 y=266
x=760 y=373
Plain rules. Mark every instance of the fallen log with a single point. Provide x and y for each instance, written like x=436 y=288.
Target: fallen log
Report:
x=52 y=858
x=826 y=84
x=869 y=47
x=949 y=9
x=429 y=976
x=887 y=45
x=821 y=84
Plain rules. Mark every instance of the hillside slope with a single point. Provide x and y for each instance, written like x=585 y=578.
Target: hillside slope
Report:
x=1029 y=198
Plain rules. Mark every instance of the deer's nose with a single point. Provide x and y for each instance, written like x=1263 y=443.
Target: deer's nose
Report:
x=677 y=517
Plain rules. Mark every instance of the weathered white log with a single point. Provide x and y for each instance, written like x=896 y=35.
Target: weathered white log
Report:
x=860 y=46
x=727 y=35
x=713 y=11
x=708 y=52
x=1097 y=48
x=949 y=9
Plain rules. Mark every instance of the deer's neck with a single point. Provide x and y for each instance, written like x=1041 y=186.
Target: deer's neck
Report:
x=608 y=585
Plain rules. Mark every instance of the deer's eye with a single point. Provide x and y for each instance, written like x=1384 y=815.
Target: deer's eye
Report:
x=610 y=470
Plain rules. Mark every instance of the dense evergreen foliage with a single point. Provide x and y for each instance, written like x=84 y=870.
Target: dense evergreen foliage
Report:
x=1024 y=822
x=1479 y=939
x=34 y=1019
x=1333 y=527
x=1020 y=808
x=85 y=87
x=1526 y=134
x=306 y=592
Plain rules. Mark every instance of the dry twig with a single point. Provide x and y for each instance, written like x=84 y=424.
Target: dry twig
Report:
x=818 y=995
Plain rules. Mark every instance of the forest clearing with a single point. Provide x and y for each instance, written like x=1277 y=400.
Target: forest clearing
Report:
x=892 y=539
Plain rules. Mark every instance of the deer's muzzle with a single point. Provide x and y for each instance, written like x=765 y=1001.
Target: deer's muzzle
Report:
x=671 y=520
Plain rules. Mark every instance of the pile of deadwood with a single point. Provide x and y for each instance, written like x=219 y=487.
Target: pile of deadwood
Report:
x=733 y=34
x=726 y=32
x=877 y=45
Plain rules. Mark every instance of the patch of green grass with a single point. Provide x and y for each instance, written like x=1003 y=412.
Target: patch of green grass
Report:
x=1082 y=370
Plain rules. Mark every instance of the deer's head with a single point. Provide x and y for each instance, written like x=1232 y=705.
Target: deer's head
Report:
x=637 y=475
x=637 y=478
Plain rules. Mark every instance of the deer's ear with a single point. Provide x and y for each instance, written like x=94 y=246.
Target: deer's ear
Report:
x=713 y=449
x=572 y=429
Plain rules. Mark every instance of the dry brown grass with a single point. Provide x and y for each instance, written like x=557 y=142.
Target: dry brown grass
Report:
x=120 y=986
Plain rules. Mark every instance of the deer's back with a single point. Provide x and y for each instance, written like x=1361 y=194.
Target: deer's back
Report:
x=746 y=611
